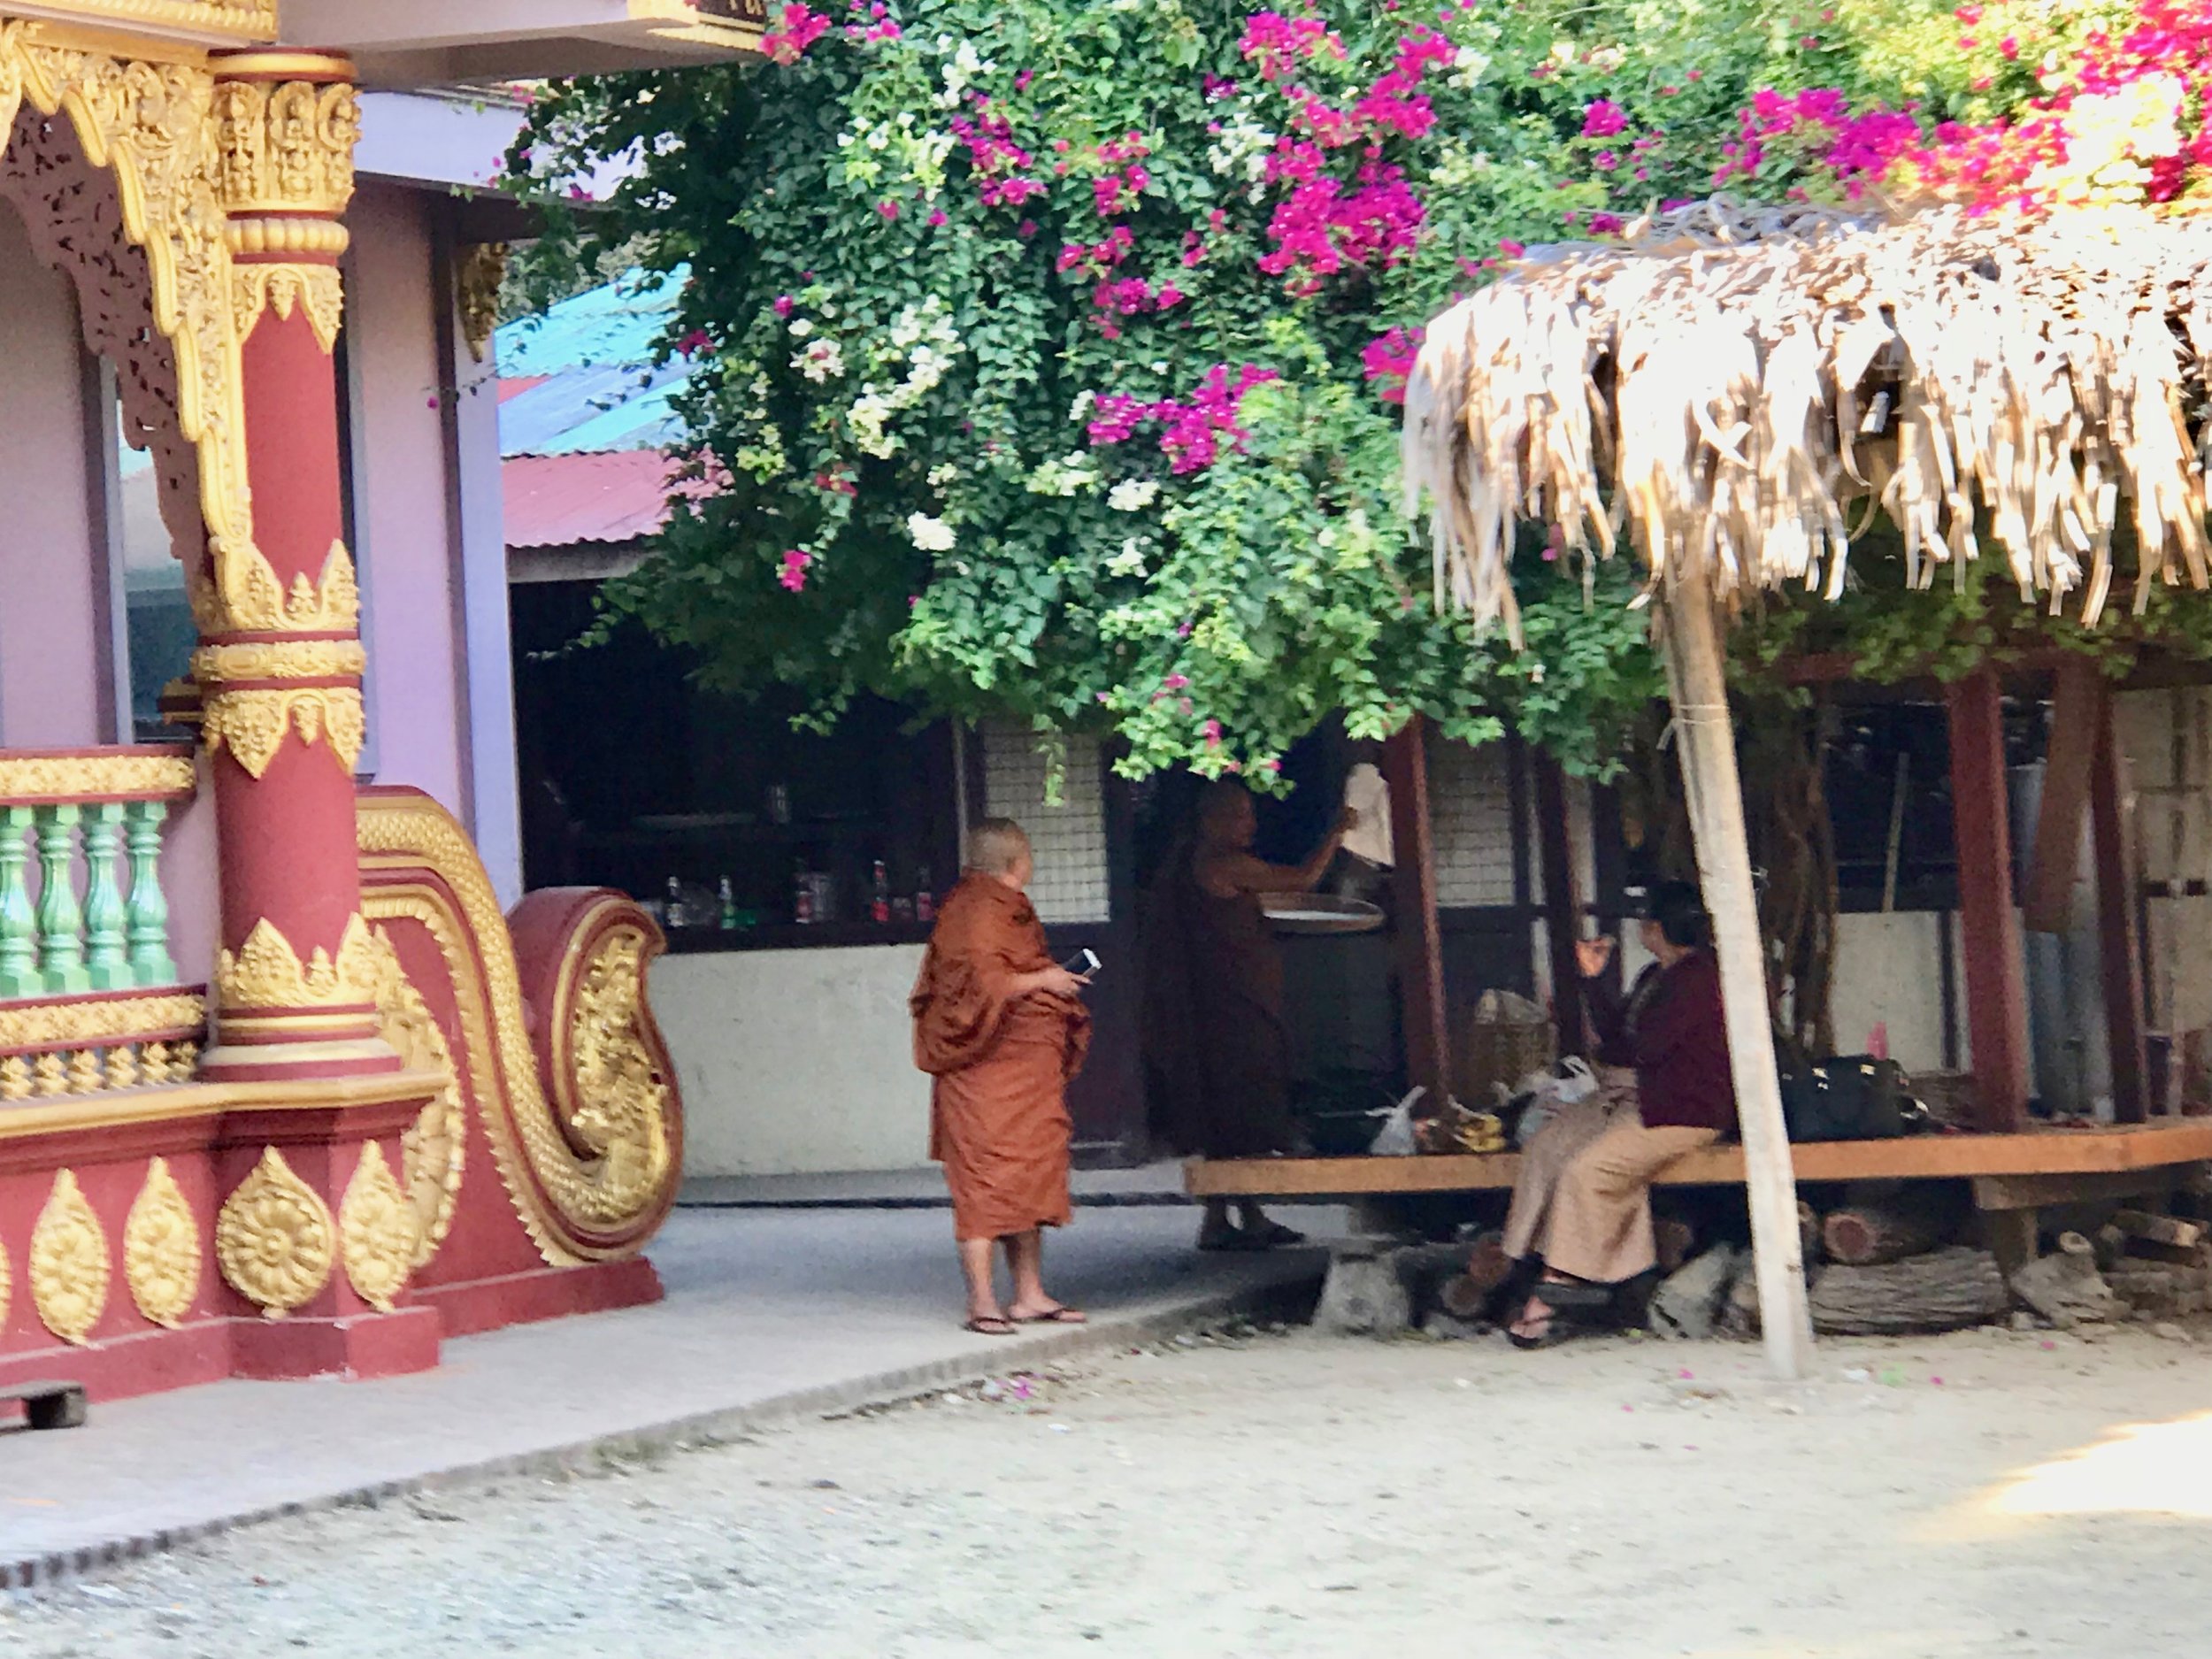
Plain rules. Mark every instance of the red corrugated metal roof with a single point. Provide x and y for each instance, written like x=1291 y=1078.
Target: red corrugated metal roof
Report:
x=560 y=500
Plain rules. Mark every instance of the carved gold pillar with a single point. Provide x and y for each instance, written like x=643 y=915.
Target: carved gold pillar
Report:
x=281 y=659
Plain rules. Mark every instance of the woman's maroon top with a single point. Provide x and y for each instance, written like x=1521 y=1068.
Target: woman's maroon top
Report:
x=1677 y=1042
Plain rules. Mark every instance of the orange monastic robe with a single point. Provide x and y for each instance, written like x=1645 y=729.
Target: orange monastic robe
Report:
x=998 y=1115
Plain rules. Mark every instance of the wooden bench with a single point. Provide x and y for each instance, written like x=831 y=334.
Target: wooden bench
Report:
x=2007 y=1171
x=48 y=1405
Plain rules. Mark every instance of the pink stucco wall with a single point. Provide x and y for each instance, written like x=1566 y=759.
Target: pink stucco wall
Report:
x=402 y=492
x=53 y=582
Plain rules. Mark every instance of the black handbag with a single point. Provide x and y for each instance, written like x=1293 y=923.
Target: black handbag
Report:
x=1850 y=1097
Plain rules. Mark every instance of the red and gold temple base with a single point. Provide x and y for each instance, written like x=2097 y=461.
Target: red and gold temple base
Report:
x=509 y=1170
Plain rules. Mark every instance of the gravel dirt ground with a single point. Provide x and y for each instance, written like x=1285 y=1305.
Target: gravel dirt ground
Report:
x=1283 y=1493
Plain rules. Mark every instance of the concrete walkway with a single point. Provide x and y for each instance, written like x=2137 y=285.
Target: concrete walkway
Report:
x=769 y=1313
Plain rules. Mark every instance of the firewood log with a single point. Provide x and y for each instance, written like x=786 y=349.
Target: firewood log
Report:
x=1808 y=1233
x=2139 y=1224
x=1944 y=1290
x=1868 y=1234
x=2065 y=1287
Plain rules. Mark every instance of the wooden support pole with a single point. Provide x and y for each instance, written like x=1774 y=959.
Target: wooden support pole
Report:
x=1707 y=743
x=1562 y=908
x=1996 y=971
x=2118 y=952
x=1420 y=943
x=2077 y=714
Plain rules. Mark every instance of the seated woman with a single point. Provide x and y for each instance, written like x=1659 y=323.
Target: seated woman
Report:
x=1585 y=1209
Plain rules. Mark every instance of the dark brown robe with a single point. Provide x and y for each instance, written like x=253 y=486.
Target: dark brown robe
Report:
x=1217 y=1049
x=998 y=1115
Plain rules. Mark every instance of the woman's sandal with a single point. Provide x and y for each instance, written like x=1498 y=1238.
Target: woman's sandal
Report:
x=1576 y=1293
x=1555 y=1330
x=986 y=1326
x=1058 y=1315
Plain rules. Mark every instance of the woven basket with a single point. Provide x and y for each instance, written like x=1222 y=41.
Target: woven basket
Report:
x=1505 y=1037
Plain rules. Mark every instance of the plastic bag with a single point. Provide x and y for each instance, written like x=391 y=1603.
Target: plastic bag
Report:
x=1395 y=1139
x=1570 y=1084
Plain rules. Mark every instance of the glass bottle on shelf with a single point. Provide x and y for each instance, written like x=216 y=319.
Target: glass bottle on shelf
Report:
x=803 y=897
x=673 y=914
x=879 y=902
x=729 y=906
x=925 y=900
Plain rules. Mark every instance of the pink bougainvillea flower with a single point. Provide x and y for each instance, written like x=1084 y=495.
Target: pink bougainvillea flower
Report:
x=798 y=28
x=1511 y=249
x=782 y=304
x=936 y=217
x=889 y=210
x=693 y=343
x=1602 y=118
x=793 y=575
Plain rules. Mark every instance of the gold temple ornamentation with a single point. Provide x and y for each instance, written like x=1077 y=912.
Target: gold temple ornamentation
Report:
x=252 y=724
x=95 y=777
x=481 y=270
x=161 y=1249
x=432 y=1150
x=622 y=1110
x=69 y=1263
x=97 y=1024
x=152 y=127
x=279 y=659
x=135 y=1064
x=315 y=288
x=376 y=1231
x=562 y=1197
x=244 y=21
x=251 y=599
x=266 y=972
x=288 y=235
x=275 y=1239
x=286 y=148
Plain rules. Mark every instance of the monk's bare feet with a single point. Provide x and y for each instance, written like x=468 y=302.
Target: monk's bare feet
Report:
x=1047 y=1313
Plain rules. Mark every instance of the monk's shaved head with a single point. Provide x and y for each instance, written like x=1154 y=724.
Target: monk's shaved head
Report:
x=996 y=846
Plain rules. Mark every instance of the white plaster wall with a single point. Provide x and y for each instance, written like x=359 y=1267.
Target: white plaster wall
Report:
x=1888 y=969
x=52 y=580
x=795 y=1062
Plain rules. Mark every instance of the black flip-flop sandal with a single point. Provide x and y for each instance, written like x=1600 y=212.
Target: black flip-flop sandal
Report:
x=1058 y=1315
x=1574 y=1293
x=990 y=1327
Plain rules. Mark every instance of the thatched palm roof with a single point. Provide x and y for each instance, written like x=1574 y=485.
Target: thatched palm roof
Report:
x=1749 y=388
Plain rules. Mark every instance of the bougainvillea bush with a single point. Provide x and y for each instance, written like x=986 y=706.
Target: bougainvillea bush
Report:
x=1047 y=348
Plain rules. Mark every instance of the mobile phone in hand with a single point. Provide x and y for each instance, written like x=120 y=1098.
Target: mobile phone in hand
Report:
x=1083 y=964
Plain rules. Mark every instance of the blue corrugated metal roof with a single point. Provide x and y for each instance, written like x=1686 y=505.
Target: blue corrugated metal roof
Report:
x=599 y=389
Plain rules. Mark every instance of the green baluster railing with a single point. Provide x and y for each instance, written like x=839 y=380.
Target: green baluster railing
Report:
x=19 y=925
x=60 y=917
x=146 y=917
x=106 y=958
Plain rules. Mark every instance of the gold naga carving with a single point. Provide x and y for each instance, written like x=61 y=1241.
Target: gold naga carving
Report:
x=376 y=1231
x=433 y=1149
x=559 y=1195
x=274 y=1239
x=623 y=1115
x=266 y=972
x=69 y=1263
x=315 y=288
x=251 y=599
x=252 y=724
x=161 y=1249
x=95 y=777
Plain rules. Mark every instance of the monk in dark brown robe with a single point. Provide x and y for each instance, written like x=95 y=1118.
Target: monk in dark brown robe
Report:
x=1215 y=1004
x=1002 y=1028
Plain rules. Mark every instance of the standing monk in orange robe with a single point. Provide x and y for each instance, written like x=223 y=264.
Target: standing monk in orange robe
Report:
x=1002 y=1028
